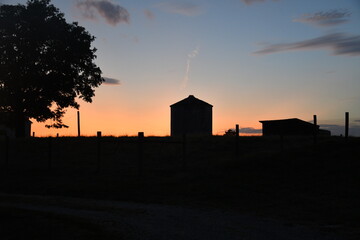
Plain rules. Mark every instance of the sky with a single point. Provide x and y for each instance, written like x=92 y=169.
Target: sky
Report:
x=251 y=59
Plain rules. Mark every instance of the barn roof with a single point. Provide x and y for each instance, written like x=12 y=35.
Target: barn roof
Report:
x=286 y=121
x=191 y=100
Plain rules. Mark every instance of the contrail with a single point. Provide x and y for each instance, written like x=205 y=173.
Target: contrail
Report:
x=191 y=55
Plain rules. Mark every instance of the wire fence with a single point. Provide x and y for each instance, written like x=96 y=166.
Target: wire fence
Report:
x=135 y=155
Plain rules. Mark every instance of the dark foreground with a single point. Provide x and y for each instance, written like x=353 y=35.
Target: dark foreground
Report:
x=297 y=183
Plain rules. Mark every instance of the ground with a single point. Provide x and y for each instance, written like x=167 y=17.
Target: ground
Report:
x=34 y=217
x=268 y=189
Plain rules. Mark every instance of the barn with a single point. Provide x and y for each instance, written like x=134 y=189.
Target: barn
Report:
x=292 y=126
x=191 y=116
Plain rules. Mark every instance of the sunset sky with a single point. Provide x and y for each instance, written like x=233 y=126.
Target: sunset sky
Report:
x=251 y=59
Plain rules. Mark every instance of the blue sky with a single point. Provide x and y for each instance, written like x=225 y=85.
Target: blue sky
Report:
x=251 y=59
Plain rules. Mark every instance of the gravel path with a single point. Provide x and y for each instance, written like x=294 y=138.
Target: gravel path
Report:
x=158 y=222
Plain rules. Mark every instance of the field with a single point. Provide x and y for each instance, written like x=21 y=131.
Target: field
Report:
x=293 y=180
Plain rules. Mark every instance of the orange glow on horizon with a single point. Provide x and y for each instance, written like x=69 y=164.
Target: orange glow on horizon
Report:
x=153 y=123
x=128 y=117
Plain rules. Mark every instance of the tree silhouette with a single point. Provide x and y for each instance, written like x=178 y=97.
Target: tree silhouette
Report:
x=46 y=64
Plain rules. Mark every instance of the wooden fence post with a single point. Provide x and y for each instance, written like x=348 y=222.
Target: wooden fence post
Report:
x=78 y=122
x=98 y=156
x=315 y=129
x=346 y=125
x=237 y=140
x=49 y=153
x=184 y=162
x=282 y=139
x=140 y=153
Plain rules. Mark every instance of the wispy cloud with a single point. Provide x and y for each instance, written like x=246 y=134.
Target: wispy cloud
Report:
x=110 y=11
x=182 y=8
x=131 y=38
x=191 y=55
x=249 y=2
x=325 y=19
x=111 y=81
x=149 y=15
x=338 y=43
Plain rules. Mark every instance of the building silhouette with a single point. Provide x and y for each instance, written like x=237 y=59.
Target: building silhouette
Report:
x=191 y=116
x=292 y=126
x=12 y=127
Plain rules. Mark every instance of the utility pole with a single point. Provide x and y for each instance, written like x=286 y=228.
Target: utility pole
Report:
x=78 y=122
x=346 y=125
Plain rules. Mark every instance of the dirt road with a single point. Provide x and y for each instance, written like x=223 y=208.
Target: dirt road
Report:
x=152 y=221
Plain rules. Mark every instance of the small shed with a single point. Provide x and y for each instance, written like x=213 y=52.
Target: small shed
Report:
x=12 y=128
x=292 y=126
x=191 y=116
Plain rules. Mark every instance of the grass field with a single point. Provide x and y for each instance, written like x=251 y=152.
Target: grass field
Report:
x=297 y=181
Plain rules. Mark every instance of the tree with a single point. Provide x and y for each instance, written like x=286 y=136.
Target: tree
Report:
x=46 y=64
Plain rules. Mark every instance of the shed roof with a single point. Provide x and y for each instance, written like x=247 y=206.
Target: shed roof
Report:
x=6 y=118
x=285 y=121
x=191 y=100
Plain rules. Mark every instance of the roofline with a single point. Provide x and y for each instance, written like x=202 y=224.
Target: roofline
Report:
x=288 y=119
x=191 y=96
x=278 y=120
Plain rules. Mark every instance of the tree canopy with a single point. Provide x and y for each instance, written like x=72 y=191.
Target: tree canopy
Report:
x=46 y=64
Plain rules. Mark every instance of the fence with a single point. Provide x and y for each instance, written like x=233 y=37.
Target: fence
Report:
x=102 y=152
x=136 y=155
x=50 y=153
x=81 y=151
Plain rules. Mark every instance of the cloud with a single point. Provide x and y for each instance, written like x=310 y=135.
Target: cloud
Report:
x=338 y=43
x=249 y=2
x=325 y=19
x=191 y=55
x=149 y=15
x=181 y=8
x=247 y=130
x=111 y=12
x=250 y=130
x=111 y=82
